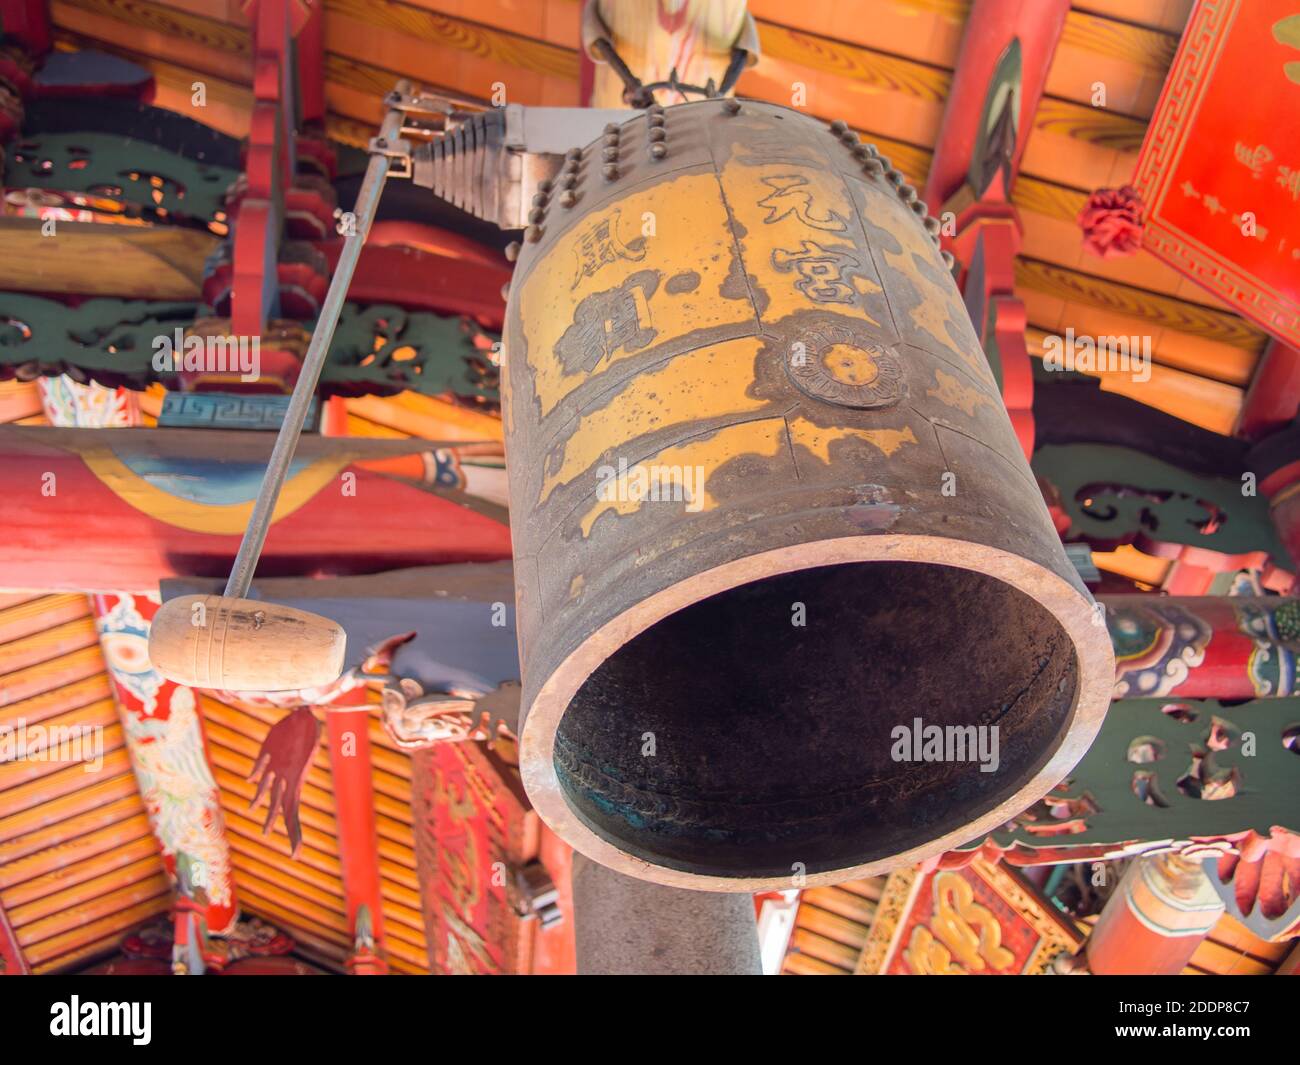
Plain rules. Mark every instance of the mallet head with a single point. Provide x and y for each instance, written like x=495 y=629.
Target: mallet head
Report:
x=209 y=641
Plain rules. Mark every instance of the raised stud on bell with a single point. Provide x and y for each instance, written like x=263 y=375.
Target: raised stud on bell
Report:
x=209 y=641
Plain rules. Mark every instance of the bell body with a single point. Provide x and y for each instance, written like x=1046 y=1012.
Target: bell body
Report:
x=768 y=509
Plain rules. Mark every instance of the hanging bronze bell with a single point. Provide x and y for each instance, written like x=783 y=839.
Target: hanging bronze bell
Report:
x=768 y=510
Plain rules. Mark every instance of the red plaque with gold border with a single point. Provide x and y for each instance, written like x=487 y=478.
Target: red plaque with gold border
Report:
x=979 y=920
x=1219 y=170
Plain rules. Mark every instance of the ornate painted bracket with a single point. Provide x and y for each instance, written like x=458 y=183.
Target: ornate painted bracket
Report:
x=377 y=349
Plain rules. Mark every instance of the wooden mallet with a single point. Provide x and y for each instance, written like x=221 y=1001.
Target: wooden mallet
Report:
x=239 y=644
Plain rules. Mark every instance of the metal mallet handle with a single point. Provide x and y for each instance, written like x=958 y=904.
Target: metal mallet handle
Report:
x=372 y=186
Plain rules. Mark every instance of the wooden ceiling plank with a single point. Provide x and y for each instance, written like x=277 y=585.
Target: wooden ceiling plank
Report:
x=410 y=941
x=76 y=925
x=252 y=855
x=19 y=400
x=1127 y=62
x=831 y=925
x=318 y=850
x=329 y=943
x=230 y=12
x=50 y=643
x=1224 y=961
x=885 y=111
x=102 y=714
x=82 y=896
x=392 y=787
x=871 y=888
x=27 y=616
x=405 y=895
x=1161 y=311
x=103 y=259
x=809 y=943
x=929 y=31
x=235 y=754
x=497 y=47
x=806 y=965
x=554 y=21
x=1055 y=316
x=1194 y=355
x=70 y=950
x=200 y=44
x=326 y=918
x=1231 y=933
x=1168 y=16
x=70 y=872
x=29 y=785
x=49 y=676
x=464 y=72
x=843 y=903
x=1212 y=405
x=39 y=708
x=396 y=839
x=73 y=839
x=288 y=876
x=317 y=828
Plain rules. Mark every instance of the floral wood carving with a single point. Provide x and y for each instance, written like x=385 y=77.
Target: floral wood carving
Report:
x=1111 y=221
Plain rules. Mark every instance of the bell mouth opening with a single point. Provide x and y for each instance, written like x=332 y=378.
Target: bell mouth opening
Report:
x=817 y=720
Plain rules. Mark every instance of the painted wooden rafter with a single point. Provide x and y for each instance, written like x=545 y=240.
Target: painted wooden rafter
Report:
x=1001 y=71
x=269 y=169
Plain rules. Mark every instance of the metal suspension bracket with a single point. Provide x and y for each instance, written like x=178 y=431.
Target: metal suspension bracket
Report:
x=425 y=115
x=597 y=40
x=398 y=152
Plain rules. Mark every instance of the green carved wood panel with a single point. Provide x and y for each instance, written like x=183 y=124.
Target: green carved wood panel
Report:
x=1116 y=495
x=377 y=348
x=1169 y=770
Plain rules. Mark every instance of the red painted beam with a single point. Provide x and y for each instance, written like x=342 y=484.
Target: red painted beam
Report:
x=422 y=280
x=101 y=522
x=987 y=226
x=990 y=28
x=354 y=811
x=29 y=21
x=309 y=55
x=1273 y=398
x=1219 y=661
